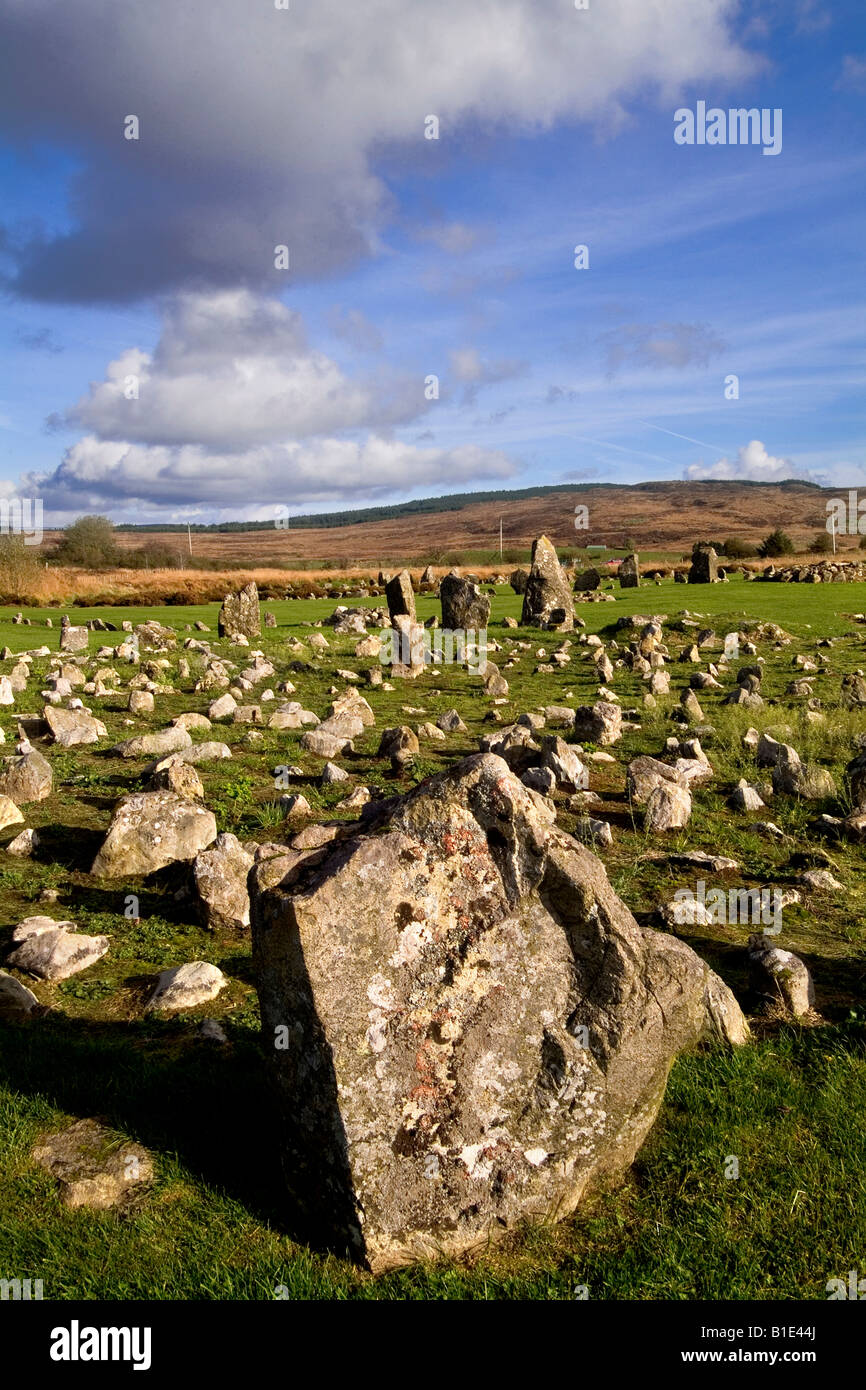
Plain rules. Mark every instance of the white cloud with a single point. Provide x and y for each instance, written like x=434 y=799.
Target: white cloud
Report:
x=261 y=126
x=232 y=370
x=120 y=476
x=752 y=463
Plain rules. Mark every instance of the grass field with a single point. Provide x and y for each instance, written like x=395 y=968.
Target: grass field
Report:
x=791 y=1107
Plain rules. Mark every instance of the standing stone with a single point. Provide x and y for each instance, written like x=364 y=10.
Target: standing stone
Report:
x=586 y=581
x=400 y=596
x=73 y=639
x=464 y=607
x=429 y=576
x=239 y=615
x=705 y=566
x=478 y=1032
x=220 y=875
x=547 y=602
x=629 y=572
x=517 y=579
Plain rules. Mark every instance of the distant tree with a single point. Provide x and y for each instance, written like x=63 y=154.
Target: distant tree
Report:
x=19 y=568
x=822 y=543
x=736 y=549
x=156 y=555
x=90 y=542
x=777 y=543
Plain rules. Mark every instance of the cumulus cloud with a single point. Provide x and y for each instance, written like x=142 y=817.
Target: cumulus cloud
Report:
x=119 y=476
x=752 y=464
x=660 y=345
x=262 y=127
x=233 y=370
x=234 y=409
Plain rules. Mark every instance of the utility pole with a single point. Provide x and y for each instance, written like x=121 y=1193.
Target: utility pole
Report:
x=189 y=538
x=500 y=538
x=833 y=531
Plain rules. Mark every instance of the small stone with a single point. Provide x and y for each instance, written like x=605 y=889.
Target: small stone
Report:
x=186 y=986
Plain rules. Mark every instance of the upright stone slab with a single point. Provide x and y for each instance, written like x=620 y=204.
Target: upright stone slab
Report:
x=239 y=615
x=74 y=639
x=705 y=566
x=547 y=602
x=400 y=596
x=467 y=1027
x=629 y=572
x=586 y=581
x=464 y=607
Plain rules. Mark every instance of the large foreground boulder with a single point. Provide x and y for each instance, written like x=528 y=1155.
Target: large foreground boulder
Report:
x=468 y=1027
x=150 y=830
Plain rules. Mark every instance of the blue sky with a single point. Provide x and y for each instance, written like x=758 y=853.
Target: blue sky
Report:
x=152 y=260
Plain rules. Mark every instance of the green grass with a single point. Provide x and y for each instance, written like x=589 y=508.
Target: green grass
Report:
x=791 y=1107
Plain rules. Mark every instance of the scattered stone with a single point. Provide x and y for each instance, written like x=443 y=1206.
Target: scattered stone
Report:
x=68 y=727
x=16 y=1000
x=780 y=977
x=51 y=951
x=95 y=1167
x=599 y=723
x=149 y=830
x=24 y=844
x=26 y=778
x=186 y=987
x=10 y=815
x=668 y=807
x=170 y=740
x=220 y=876
x=745 y=798
x=74 y=639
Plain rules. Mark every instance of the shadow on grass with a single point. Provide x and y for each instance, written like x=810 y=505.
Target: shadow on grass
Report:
x=839 y=980
x=212 y=1106
x=209 y=1105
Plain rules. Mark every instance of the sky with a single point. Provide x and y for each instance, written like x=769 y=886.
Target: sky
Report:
x=258 y=261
